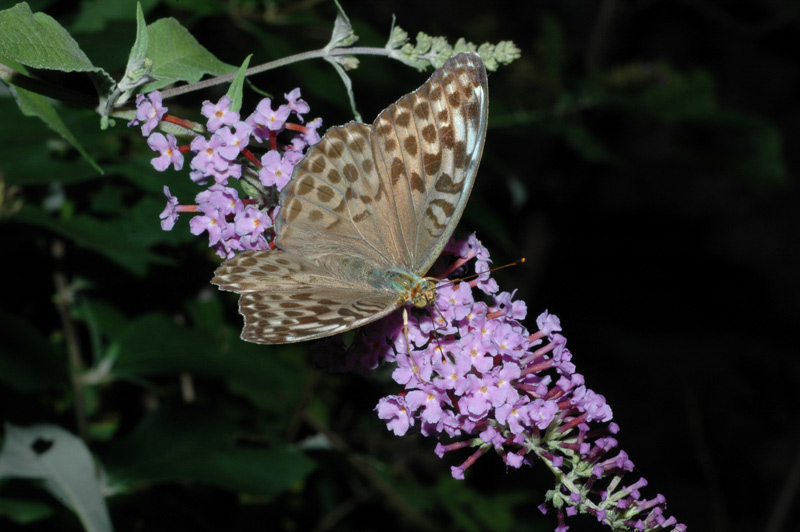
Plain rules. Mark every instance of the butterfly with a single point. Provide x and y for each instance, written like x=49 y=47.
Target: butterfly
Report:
x=366 y=213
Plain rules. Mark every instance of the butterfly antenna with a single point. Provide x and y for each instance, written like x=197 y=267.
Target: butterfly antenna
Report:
x=517 y=262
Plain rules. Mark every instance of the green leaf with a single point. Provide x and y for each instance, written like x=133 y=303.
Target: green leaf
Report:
x=343 y=34
x=137 y=72
x=28 y=362
x=24 y=512
x=139 y=48
x=237 y=86
x=177 y=56
x=196 y=444
x=551 y=49
x=29 y=39
x=580 y=139
x=27 y=160
x=112 y=238
x=751 y=147
x=97 y=15
x=469 y=510
x=348 y=85
x=32 y=104
x=154 y=344
x=38 y=41
x=62 y=461
x=661 y=92
x=101 y=315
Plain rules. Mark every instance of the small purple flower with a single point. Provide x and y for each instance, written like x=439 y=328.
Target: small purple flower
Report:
x=503 y=390
x=234 y=143
x=515 y=460
x=593 y=404
x=149 y=111
x=479 y=353
x=298 y=106
x=170 y=213
x=264 y=119
x=508 y=339
x=232 y=171
x=223 y=199
x=209 y=163
x=210 y=221
x=253 y=243
x=297 y=145
x=541 y=413
x=276 y=170
x=228 y=244
x=311 y=135
x=393 y=410
x=474 y=319
x=219 y=114
x=454 y=301
x=410 y=370
x=429 y=402
x=485 y=283
x=452 y=375
x=250 y=224
x=511 y=415
x=476 y=401
x=485 y=337
x=208 y=154
x=293 y=157
x=548 y=323
x=168 y=147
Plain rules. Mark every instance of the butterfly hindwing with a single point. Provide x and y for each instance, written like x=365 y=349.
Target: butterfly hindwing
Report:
x=289 y=299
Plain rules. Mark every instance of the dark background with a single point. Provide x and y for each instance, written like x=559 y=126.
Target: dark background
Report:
x=640 y=155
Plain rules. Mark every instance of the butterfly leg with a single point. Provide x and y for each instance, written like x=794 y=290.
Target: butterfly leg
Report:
x=414 y=365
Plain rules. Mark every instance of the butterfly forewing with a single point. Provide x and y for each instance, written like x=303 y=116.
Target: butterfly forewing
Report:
x=363 y=201
x=427 y=146
x=336 y=203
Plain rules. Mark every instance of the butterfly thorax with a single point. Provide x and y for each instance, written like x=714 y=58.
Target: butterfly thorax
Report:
x=411 y=288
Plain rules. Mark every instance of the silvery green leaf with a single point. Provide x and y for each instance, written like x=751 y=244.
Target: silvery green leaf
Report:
x=63 y=463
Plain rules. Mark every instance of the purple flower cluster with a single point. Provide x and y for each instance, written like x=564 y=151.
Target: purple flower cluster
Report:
x=232 y=224
x=475 y=376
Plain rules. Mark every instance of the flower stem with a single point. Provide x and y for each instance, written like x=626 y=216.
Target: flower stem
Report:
x=63 y=299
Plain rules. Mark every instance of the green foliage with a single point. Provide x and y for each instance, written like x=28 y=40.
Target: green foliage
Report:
x=38 y=41
x=174 y=402
x=235 y=92
x=177 y=56
x=23 y=512
x=165 y=447
x=29 y=363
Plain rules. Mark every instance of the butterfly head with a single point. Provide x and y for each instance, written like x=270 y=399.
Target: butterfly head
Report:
x=423 y=293
x=410 y=288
